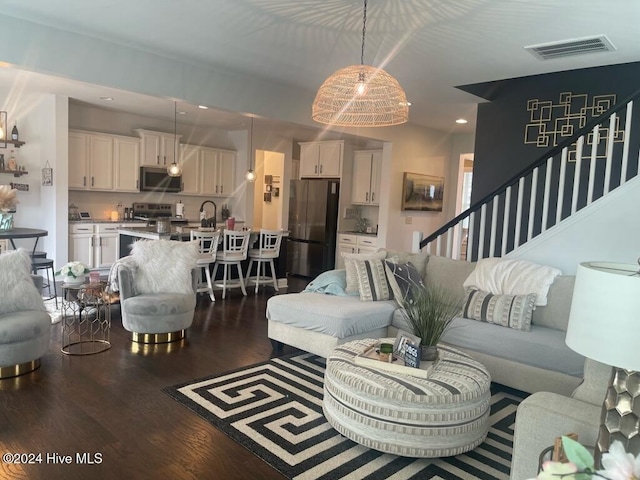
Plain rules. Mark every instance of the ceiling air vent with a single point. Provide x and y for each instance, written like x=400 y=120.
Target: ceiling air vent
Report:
x=567 y=48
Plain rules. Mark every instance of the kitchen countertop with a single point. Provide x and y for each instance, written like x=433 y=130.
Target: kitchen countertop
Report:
x=363 y=234
x=94 y=220
x=176 y=233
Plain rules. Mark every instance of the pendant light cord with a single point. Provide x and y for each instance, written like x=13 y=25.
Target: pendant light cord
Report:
x=175 y=132
x=251 y=146
x=364 y=30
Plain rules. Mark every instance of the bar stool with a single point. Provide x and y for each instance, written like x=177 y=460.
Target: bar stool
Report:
x=46 y=264
x=268 y=249
x=235 y=246
x=38 y=254
x=208 y=244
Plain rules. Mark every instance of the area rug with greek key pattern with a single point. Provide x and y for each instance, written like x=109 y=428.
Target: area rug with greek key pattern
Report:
x=274 y=409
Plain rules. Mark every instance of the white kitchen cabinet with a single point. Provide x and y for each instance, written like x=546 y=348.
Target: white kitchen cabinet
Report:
x=103 y=162
x=351 y=243
x=190 y=162
x=321 y=159
x=95 y=244
x=157 y=148
x=126 y=161
x=366 y=177
x=90 y=161
x=81 y=243
x=217 y=172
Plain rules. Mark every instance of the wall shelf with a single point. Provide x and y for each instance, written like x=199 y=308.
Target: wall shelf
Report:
x=15 y=143
x=15 y=173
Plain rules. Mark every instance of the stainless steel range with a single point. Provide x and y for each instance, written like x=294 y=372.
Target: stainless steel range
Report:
x=150 y=212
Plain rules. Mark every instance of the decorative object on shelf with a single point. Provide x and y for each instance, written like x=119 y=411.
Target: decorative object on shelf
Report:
x=1 y=161
x=422 y=192
x=250 y=174
x=430 y=315
x=361 y=224
x=267 y=196
x=175 y=169
x=3 y=127
x=361 y=96
x=73 y=273
x=12 y=164
x=47 y=175
x=616 y=464
x=603 y=325
x=14 y=132
x=8 y=202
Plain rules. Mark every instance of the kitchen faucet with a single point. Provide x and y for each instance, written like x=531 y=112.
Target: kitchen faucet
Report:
x=211 y=221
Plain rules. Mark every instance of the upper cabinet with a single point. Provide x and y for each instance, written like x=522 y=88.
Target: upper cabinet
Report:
x=157 y=147
x=103 y=162
x=207 y=171
x=366 y=177
x=321 y=159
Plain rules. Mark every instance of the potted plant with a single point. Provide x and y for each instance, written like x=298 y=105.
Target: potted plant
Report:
x=429 y=315
x=74 y=273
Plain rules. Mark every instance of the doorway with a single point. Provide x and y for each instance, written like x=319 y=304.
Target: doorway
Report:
x=268 y=192
x=463 y=202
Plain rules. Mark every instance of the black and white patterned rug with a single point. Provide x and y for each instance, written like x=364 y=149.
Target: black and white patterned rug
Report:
x=274 y=409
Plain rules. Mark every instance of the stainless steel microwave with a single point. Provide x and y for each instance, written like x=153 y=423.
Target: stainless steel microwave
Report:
x=156 y=179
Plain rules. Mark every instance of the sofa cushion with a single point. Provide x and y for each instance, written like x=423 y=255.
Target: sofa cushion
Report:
x=337 y=317
x=350 y=267
x=404 y=278
x=17 y=290
x=372 y=280
x=541 y=347
x=449 y=274
x=555 y=314
x=419 y=260
x=512 y=311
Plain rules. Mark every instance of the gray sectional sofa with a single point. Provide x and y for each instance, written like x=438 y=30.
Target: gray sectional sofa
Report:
x=536 y=360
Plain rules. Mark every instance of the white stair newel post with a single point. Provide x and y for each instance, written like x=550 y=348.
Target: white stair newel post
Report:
x=449 y=242
x=547 y=190
x=592 y=163
x=516 y=240
x=472 y=218
x=625 y=148
x=576 y=176
x=416 y=238
x=494 y=226
x=561 y=184
x=607 y=168
x=483 y=220
x=532 y=203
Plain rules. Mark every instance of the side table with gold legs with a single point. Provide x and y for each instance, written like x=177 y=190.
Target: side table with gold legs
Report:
x=86 y=319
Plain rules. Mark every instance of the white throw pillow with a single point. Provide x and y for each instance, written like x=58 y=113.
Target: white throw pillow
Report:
x=17 y=290
x=164 y=266
x=350 y=267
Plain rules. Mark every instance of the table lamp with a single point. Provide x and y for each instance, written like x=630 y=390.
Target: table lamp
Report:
x=604 y=325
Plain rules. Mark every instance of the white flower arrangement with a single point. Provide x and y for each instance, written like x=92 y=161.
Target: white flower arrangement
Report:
x=8 y=199
x=616 y=463
x=73 y=269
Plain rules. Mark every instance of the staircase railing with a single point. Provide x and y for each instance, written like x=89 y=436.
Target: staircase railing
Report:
x=549 y=190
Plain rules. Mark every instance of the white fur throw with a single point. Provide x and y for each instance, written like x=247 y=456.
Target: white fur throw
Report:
x=17 y=290
x=164 y=266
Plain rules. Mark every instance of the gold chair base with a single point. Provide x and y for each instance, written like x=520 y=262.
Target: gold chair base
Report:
x=158 y=337
x=15 y=370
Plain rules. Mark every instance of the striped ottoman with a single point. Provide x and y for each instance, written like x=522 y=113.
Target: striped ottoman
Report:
x=446 y=414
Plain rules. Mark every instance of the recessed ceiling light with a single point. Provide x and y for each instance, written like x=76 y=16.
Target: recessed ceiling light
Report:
x=203 y=107
x=106 y=99
x=461 y=121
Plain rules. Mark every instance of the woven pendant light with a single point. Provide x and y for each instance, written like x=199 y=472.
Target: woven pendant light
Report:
x=361 y=96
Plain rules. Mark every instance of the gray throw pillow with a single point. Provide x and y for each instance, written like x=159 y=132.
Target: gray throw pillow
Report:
x=513 y=311
x=404 y=280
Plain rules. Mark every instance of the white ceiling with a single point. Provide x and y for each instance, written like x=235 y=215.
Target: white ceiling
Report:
x=430 y=46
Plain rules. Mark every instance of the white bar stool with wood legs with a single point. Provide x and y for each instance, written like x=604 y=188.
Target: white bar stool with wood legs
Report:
x=235 y=246
x=208 y=245
x=268 y=249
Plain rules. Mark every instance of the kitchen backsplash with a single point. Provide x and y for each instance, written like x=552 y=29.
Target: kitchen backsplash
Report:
x=101 y=204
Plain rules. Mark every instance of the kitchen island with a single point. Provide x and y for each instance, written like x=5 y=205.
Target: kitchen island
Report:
x=127 y=236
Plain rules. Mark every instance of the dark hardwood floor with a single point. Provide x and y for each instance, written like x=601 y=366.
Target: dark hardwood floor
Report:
x=111 y=407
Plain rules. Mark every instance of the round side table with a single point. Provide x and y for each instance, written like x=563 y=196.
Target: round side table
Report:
x=86 y=319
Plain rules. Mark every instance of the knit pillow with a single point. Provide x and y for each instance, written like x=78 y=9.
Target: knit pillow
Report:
x=349 y=265
x=17 y=290
x=164 y=266
x=512 y=311
x=372 y=280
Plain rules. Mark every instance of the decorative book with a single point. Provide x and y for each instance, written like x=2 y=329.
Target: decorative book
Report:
x=371 y=358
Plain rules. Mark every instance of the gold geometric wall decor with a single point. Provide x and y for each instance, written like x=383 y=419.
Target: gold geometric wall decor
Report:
x=550 y=123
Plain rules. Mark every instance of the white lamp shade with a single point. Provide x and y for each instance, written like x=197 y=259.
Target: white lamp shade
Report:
x=604 y=323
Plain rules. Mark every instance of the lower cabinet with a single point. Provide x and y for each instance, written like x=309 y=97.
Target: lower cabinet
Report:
x=348 y=243
x=95 y=244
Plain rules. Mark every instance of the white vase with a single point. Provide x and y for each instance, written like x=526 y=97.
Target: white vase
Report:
x=77 y=281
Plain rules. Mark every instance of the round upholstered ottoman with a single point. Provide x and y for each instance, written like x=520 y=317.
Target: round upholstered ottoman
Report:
x=446 y=414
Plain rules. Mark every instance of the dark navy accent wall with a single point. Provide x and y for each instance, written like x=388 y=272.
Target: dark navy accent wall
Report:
x=500 y=151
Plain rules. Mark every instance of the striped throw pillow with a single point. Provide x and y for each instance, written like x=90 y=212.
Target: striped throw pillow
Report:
x=372 y=280
x=512 y=311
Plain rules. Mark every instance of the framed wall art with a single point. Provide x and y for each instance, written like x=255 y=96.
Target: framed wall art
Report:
x=422 y=193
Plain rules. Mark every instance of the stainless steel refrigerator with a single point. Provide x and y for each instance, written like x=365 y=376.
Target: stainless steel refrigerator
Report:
x=313 y=219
